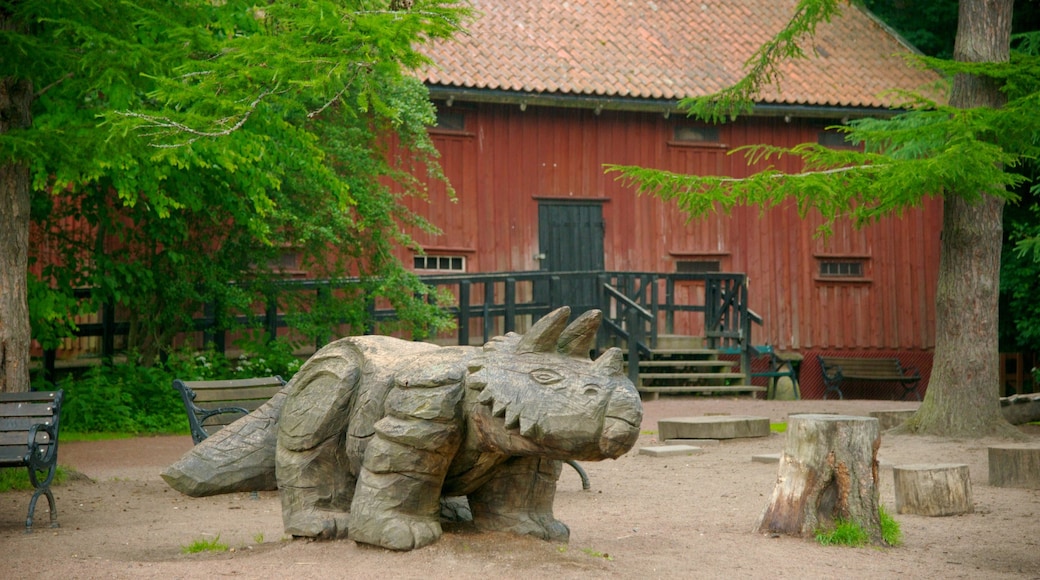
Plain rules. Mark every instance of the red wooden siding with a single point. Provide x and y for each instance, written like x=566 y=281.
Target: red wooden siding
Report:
x=508 y=159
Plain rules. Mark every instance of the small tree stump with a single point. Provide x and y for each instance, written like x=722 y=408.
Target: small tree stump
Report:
x=1015 y=466
x=942 y=489
x=828 y=472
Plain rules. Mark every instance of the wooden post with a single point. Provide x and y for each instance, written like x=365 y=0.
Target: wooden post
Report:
x=828 y=472
x=942 y=489
x=1016 y=465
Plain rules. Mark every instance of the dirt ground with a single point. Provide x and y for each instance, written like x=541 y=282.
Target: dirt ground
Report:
x=647 y=517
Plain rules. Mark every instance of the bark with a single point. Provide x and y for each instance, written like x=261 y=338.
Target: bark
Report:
x=15 y=334
x=963 y=398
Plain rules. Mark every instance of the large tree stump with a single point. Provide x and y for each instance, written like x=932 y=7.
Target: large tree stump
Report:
x=1015 y=465
x=828 y=472
x=937 y=489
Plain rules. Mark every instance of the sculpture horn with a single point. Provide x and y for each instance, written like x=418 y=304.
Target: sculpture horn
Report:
x=543 y=335
x=579 y=336
x=610 y=362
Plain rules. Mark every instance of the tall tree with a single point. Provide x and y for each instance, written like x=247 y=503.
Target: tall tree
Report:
x=959 y=151
x=220 y=115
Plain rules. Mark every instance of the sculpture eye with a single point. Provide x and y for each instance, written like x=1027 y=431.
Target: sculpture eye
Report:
x=546 y=376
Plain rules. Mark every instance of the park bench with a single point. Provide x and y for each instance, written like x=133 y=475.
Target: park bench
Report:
x=779 y=367
x=29 y=438
x=837 y=370
x=213 y=404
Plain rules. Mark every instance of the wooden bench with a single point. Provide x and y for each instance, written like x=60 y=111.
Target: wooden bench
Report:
x=29 y=438
x=213 y=404
x=779 y=368
x=837 y=370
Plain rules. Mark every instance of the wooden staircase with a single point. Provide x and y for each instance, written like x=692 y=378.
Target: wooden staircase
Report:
x=681 y=364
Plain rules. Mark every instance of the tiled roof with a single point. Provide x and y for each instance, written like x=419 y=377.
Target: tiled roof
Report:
x=666 y=49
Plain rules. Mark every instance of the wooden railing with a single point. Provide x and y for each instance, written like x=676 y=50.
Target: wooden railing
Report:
x=638 y=307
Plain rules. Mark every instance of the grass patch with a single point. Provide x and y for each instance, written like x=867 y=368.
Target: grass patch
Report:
x=597 y=554
x=648 y=432
x=203 y=545
x=17 y=478
x=99 y=436
x=845 y=533
x=851 y=534
x=890 y=531
x=778 y=427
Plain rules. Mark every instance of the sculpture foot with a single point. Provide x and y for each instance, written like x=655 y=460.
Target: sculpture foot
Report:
x=317 y=524
x=540 y=526
x=394 y=531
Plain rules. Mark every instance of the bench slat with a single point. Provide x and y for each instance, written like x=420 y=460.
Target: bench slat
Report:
x=234 y=383
x=23 y=424
x=36 y=396
x=26 y=409
x=215 y=395
x=22 y=438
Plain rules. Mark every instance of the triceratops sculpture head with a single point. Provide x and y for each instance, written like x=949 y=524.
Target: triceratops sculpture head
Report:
x=540 y=394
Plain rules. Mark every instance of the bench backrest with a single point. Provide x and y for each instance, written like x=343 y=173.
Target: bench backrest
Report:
x=201 y=398
x=18 y=413
x=864 y=368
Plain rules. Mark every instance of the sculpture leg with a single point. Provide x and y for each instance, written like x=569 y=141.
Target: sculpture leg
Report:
x=519 y=499
x=397 y=501
x=316 y=490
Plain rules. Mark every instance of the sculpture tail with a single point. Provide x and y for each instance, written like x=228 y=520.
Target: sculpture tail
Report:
x=239 y=457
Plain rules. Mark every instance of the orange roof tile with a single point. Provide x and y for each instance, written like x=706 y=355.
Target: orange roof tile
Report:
x=667 y=49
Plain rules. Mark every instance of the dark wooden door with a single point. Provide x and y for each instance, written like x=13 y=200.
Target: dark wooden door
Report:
x=570 y=239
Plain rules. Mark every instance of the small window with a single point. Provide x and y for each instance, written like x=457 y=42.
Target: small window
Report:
x=440 y=263
x=694 y=134
x=450 y=120
x=834 y=140
x=698 y=266
x=841 y=268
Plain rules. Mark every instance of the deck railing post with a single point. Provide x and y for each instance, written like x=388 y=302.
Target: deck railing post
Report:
x=464 y=314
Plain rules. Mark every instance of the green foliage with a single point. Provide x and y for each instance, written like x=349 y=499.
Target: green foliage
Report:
x=778 y=427
x=205 y=545
x=196 y=143
x=138 y=398
x=1019 y=272
x=17 y=478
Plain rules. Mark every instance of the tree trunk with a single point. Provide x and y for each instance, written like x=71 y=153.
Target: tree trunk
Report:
x=828 y=473
x=963 y=393
x=15 y=113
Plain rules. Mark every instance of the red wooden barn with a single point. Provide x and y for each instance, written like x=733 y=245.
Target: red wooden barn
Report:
x=540 y=94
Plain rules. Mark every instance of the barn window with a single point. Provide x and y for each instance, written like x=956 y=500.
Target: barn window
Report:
x=698 y=266
x=834 y=139
x=440 y=263
x=841 y=269
x=696 y=134
x=450 y=120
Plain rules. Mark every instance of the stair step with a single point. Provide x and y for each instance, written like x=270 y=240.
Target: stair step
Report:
x=679 y=341
x=692 y=376
x=684 y=351
x=688 y=363
x=703 y=389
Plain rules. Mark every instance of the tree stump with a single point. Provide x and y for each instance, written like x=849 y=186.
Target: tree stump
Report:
x=1015 y=465
x=937 y=489
x=828 y=473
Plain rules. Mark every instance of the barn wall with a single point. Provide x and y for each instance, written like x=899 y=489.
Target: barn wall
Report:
x=506 y=159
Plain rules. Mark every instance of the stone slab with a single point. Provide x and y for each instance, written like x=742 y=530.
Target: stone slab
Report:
x=670 y=450
x=888 y=419
x=713 y=427
x=766 y=458
x=693 y=442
